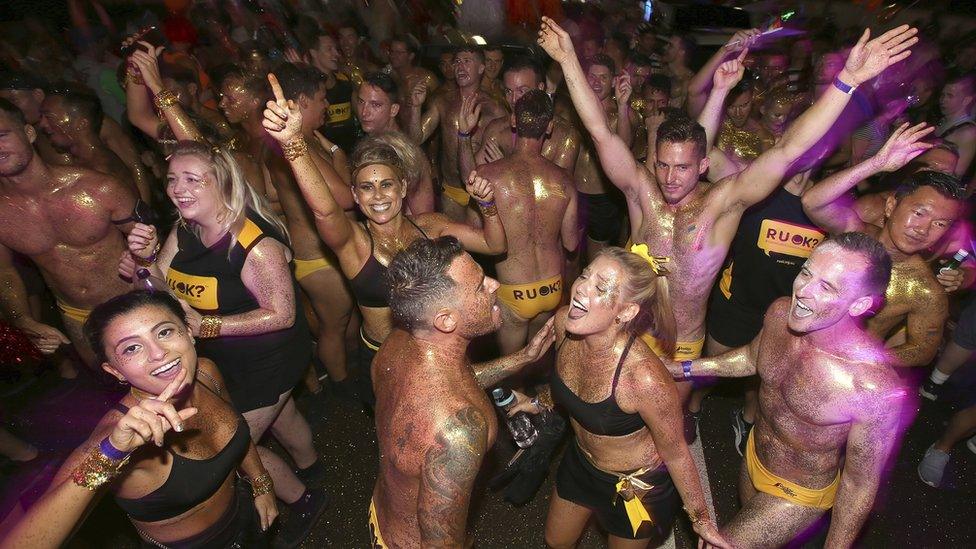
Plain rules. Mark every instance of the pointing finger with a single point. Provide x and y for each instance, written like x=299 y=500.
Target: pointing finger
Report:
x=279 y=95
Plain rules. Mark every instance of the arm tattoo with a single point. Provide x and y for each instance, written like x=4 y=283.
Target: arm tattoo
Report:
x=450 y=467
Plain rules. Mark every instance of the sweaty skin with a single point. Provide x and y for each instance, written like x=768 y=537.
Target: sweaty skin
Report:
x=560 y=147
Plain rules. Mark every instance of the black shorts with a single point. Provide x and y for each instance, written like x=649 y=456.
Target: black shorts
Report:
x=580 y=482
x=729 y=323
x=603 y=216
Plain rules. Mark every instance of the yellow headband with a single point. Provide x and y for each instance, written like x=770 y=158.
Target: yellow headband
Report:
x=656 y=261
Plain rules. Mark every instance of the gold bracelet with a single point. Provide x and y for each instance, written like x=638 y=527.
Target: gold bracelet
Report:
x=210 y=326
x=97 y=469
x=296 y=148
x=488 y=209
x=262 y=484
x=164 y=99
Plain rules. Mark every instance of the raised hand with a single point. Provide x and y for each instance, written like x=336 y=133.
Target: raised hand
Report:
x=903 y=145
x=730 y=72
x=555 y=41
x=149 y=420
x=282 y=118
x=541 y=341
x=493 y=151
x=869 y=59
x=469 y=113
x=418 y=94
x=480 y=188
x=743 y=39
x=142 y=240
x=622 y=88
x=147 y=63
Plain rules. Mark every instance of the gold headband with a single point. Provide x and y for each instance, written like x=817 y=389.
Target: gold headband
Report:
x=655 y=261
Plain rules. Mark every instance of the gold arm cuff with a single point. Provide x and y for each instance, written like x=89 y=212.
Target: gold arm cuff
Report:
x=97 y=469
x=296 y=148
x=262 y=484
x=210 y=326
x=165 y=98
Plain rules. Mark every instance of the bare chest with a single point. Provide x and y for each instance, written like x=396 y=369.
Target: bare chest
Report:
x=804 y=387
x=35 y=226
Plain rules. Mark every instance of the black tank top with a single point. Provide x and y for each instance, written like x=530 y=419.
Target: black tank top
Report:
x=370 y=285
x=190 y=481
x=341 y=127
x=603 y=418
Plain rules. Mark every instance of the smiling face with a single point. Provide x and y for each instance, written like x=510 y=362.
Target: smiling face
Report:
x=379 y=192
x=57 y=122
x=325 y=55
x=148 y=347
x=191 y=185
x=16 y=149
x=236 y=101
x=494 y=59
x=917 y=221
x=829 y=288
x=597 y=298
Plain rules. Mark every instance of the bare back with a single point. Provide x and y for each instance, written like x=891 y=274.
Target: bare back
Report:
x=449 y=104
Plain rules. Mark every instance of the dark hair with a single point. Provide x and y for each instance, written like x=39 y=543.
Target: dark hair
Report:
x=640 y=60
x=967 y=78
x=493 y=47
x=947 y=185
x=604 y=60
x=407 y=43
x=384 y=82
x=524 y=62
x=258 y=87
x=477 y=51
x=299 y=79
x=878 y=273
x=658 y=82
x=181 y=74
x=418 y=279
x=12 y=111
x=104 y=314
x=533 y=113
x=682 y=129
x=82 y=102
x=744 y=86
x=18 y=80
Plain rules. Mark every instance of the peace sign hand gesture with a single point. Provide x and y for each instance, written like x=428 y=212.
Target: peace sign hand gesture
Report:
x=282 y=119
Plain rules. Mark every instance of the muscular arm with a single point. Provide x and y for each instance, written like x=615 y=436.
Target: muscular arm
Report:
x=489 y=239
x=493 y=372
x=739 y=362
x=720 y=164
x=829 y=203
x=924 y=327
x=139 y=110
x=447 y=477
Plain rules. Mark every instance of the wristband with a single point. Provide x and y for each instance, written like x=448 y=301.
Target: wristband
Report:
x=210 y=326
x=840 y=85
x=147 y=261
x=686 y=368
x=468 y=134
x=110 y=451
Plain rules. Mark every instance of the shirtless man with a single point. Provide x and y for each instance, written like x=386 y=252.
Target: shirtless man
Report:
x=829 y=401
x=406 y=73
x=434 y=422
x=560 y=146
x=71 y=120
x=694 y=223
x=442 y=112
x=79 y=258
x=315 y=265
x=537 y=204
x=494 y=61
x=956 y=102
x=915 y=218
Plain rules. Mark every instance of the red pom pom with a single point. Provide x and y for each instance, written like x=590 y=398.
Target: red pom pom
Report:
x=15 y=347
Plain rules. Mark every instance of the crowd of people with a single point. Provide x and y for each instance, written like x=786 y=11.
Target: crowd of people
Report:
x=231 y=204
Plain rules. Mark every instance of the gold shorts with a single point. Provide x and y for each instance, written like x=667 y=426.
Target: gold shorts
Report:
x=74 y=313
x=375 y=536
x=530 y=300
x=683 y=350
x=457 y=194
x=766 y=482
x=305 y=267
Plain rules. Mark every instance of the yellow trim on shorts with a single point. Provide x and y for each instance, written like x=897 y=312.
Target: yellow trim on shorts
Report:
x=305 y=267
x=457 y=194
x=74 y=313
x=683 y=350
x=530 y=300
x=376 y=537
x=766 y=482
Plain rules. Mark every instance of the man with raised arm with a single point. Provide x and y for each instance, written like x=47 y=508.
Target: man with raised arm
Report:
x=693 y=223
x=434 y=423
x=916 y=217
x=829 y=401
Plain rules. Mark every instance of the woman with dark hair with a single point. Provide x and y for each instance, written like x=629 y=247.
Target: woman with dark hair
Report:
x=624 y=408
x=168 y=451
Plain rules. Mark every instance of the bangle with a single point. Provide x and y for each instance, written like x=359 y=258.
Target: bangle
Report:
x=98 y=468
x=468 y=134
x=262 y=484
x=846 y=88
x=686 y=368
x=147 y=261
x=296 y=148
x=165 y=99
x=488 y=209
x=210 y=326
x=110 y=451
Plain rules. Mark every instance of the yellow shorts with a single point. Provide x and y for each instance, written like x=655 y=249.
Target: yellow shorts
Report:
x=375 y=537
x=683 y=350
x=530 y=300
x=74 y=313
x=766 y=482
x=305 y=267
x=456 y=194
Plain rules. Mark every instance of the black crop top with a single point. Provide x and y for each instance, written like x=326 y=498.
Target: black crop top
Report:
x=603 y=418
x=190 y=481
x=370 y=285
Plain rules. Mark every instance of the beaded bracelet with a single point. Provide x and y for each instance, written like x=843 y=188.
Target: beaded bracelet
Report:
x=101 y=465
x=165 y=99
x=147 y=261
x=488 y=208
x=296 y=148
x=210 y=326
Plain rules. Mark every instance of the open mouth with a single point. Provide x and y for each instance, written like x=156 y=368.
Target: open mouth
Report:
x=800 y=310
x=380 y=208
x=167 y=370
x=577 y=310
x=184 y=202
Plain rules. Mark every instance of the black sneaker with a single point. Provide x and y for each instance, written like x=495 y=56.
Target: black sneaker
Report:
x=302 y=517
x=313 y=475
x=741 y=428
x=930 y=390
x=691 y=420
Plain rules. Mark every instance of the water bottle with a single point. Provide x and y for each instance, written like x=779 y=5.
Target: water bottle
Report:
x=520 y=425
x=956 y=261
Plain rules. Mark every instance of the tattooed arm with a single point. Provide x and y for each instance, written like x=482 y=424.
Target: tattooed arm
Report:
x=450 y=467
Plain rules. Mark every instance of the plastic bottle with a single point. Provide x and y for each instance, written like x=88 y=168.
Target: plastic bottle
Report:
x=956 y=261
x=143 y=280
x=520 y=424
